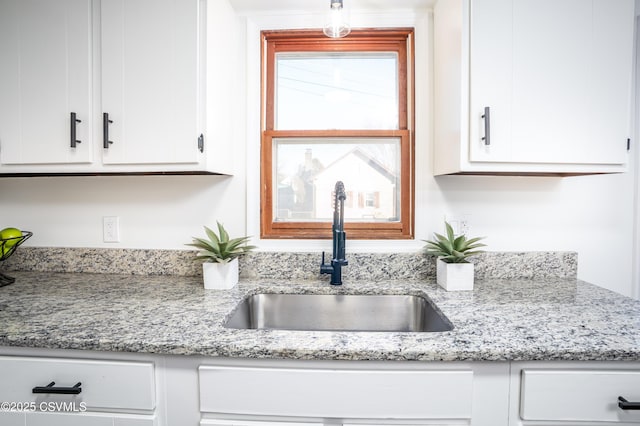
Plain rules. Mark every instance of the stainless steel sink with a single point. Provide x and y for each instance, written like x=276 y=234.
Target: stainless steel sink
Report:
x=350 y=312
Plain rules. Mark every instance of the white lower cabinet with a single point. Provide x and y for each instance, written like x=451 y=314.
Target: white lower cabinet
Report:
x=84 y=419
x=55 y=419
x=398 y=394
x=123 y=389
x=213 y=422
x=353 y=393
x=300 y=393
x=55 y=391
x=574 y=393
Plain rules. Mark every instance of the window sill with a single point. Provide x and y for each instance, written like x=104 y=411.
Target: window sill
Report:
x=353 y=246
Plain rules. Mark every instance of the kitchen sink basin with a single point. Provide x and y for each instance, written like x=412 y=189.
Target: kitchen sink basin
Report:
x=348 y=312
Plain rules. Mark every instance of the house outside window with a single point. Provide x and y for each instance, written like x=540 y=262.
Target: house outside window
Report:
x=337 y=110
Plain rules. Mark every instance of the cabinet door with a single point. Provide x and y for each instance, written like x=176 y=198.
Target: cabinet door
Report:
x=12 y=418
x=578 y=395
x=150 y=80
x=491 y=79
x=58 y=419
x=227 y=422
x=113 y=385
x=556 y=76
x=123 y=421
x=397 y=394
x=45 y=75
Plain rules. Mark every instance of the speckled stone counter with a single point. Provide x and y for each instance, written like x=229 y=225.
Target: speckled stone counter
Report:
x=502 y=319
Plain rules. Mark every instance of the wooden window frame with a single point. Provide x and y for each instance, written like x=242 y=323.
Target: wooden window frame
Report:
x=399 y=40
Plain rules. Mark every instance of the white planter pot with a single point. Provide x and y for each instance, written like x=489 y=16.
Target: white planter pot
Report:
x=454 y=276
x=220 y=276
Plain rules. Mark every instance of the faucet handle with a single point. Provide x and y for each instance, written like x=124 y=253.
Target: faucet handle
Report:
x=340 y=192
x=325 y=268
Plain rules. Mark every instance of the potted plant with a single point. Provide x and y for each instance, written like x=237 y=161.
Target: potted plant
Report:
x=220 y=255
x=454 y=271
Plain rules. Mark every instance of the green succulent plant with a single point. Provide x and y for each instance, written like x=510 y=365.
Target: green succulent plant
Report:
x=219 y=248
x=453 y=249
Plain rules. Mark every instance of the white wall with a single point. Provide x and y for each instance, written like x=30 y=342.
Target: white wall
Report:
x=593 y=215
x=154 y=211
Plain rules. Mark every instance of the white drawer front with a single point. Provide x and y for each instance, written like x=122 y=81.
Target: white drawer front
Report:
x=55 y=419
x=105 y=384
x=578 y=395
x=395 y=394
x=12 y=419
x=216 y=422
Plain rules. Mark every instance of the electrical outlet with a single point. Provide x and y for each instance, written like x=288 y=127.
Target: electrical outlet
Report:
x=111 y=229
x=465 y=224
x=461 y=224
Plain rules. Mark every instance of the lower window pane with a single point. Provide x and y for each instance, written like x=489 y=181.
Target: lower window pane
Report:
x=307 y=169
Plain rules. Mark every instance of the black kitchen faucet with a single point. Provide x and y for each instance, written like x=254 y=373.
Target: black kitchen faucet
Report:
x=339 y=238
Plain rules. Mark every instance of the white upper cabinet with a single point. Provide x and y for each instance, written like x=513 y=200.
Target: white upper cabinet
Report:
x=45 y=52
x=532 y=86
x=150 y=80
x=133 y=72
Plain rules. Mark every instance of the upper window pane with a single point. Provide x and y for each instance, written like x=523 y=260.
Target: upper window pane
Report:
x=346 y=90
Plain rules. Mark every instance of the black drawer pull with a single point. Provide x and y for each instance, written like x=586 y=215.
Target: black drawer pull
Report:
x=626 y=405
x=50 y=388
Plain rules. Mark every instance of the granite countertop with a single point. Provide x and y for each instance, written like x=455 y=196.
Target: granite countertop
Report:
x=525 y=319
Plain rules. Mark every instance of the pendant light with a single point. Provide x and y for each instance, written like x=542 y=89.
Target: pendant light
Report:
x=337 y=24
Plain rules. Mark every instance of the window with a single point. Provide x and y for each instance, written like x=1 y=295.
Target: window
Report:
x=337 y=109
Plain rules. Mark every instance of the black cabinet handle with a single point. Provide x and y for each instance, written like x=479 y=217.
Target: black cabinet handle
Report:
x=626 y=405
x=105 y=130
x=487 y=126
x=74 y=122
x=51 y=388
x=201 y=142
